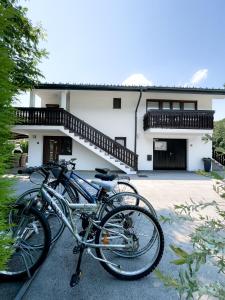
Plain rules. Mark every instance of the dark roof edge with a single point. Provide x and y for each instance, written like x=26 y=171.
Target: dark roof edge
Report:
x=66 y=86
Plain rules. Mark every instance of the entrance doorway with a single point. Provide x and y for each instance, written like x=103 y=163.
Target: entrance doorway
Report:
x=169 y=154
x=54 y=146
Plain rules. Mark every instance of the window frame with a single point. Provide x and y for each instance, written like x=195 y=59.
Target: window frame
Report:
x=115 y=104
x=121 y=138
x=181 y=102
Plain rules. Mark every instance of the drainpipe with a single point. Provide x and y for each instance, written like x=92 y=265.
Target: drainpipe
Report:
x=135 y=130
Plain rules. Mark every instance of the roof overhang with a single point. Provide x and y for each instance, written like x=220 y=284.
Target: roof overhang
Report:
x=161 y=89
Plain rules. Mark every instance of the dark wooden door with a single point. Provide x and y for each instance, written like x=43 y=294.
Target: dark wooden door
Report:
x=169 y=155
x=51 y=148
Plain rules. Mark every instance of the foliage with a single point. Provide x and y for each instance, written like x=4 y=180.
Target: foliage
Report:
x=219 y=136
x=208 y=245
x=19 y=56
x=211 y=174
x=24 y=146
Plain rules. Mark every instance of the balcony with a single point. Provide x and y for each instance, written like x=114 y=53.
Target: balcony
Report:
x=182 y=119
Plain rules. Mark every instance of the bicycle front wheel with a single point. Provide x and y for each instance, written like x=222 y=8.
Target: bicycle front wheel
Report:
x=55 y=222
x=134 y=252
x=31 y=240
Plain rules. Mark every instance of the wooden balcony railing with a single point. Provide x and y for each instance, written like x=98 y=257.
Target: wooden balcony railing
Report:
x=60 y=117
x=182 y=119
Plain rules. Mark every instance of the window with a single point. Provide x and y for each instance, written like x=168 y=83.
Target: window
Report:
x=189 y=106
x=117 y=103
x=176 y=105
x=166 y=105
x=162 y=104
x=66 y=146
x=52 y=105
x=121 y=140
x=152 y=104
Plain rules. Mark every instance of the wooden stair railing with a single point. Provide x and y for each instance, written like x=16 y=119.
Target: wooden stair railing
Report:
x=61 y=117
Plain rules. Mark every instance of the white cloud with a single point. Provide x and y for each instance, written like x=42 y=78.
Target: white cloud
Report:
x=137 y=79
x=197 y=77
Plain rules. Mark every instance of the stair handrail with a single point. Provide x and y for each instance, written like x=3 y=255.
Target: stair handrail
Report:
x=59 y=116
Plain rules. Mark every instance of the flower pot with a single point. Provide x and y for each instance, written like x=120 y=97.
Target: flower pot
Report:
x=16 y=160
x=207 y=164
x=23 y=160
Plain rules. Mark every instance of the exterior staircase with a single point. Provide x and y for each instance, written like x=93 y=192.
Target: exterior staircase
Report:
x=83 y=133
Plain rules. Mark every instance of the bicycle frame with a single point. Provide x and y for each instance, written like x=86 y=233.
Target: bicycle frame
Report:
x=73 y=179
x=81 y=208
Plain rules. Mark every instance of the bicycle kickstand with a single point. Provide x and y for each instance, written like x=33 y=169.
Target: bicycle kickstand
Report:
x=75 y=279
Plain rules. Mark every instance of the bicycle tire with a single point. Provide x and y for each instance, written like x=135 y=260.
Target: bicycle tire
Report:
x=112 y=270
x=4 y=274
x=55 y=232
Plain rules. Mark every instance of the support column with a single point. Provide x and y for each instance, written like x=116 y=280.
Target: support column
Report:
x=63 y=99
x=32 y=98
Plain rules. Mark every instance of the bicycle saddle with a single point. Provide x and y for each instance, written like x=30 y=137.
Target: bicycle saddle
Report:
x=102 y=171
x=106 y=177
x=109 y=186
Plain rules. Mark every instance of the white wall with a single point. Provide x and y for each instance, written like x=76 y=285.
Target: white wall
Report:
x=196 y=149
x=49 y=97
x=35 y=150
x=96 y=108
x=86 y=159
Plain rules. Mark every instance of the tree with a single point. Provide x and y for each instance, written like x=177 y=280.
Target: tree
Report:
x=219 y=135
x=19 y=58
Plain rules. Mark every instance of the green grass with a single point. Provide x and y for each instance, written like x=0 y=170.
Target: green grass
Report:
x=212 y=174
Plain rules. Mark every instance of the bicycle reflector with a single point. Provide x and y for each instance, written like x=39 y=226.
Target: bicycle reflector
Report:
x=105 y=239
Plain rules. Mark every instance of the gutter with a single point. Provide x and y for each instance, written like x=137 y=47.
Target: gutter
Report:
x=135 y=128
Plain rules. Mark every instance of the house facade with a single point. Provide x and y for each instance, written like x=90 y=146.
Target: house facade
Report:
x=119 y=127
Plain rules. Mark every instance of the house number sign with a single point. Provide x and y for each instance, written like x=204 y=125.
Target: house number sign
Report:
x=160 y=146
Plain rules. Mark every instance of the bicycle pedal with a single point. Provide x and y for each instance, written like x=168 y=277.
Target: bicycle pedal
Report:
x=76 y=249
x=75 y=279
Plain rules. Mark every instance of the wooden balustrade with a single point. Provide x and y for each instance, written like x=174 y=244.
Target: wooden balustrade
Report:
x=60 y=117
x=182 y=119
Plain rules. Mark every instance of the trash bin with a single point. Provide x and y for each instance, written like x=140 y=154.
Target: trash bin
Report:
x=207 y=164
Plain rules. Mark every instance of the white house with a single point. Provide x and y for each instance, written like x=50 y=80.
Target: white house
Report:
x=124 y=128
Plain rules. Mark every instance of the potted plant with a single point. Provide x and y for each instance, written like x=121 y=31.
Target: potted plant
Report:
x=207 y=164
x=24 y=147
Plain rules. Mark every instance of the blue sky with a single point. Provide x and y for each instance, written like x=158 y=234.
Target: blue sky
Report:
x=168 y=42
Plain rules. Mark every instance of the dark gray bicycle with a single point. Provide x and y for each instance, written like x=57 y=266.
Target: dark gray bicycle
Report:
x=123 y=238
x=75 y=188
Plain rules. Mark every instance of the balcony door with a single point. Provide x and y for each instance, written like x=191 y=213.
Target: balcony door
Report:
x=169 y=154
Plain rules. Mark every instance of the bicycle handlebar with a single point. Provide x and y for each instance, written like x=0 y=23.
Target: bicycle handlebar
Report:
x=31 y=170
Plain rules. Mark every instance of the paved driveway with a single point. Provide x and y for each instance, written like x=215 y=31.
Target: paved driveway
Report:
x=163 y=189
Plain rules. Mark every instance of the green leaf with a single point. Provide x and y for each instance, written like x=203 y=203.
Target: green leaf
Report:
x=179 y=252
x=180 y=261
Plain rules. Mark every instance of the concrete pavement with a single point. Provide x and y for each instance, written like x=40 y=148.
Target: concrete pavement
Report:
x=163 y=189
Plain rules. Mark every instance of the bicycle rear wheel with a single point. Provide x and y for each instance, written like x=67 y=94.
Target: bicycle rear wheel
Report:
x=132 y=227
x=123 y=186
x=31 y=237
x=126 y=198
